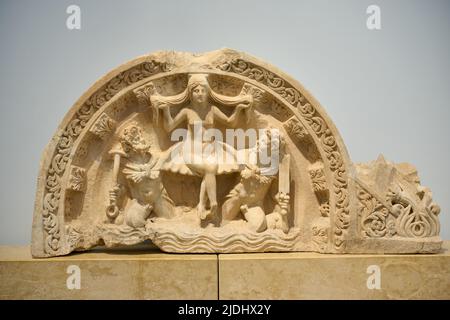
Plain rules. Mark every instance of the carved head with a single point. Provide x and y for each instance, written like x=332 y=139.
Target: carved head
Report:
x=251 y=174
x=271 y=139
x=132 y=139
x=198 y=87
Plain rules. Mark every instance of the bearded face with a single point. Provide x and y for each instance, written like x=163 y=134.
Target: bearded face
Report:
x=133 y=140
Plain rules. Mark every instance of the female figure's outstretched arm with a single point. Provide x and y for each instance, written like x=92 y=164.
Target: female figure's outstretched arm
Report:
x=233 y=118
x=171 y=123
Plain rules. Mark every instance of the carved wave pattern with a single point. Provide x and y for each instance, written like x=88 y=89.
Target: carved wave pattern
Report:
x=169 y=238
x=318 y=126
x=114 y=236
x=67 y=139
x=235 y=242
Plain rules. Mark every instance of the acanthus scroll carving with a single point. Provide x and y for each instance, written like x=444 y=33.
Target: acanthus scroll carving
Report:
x=219 y=155
x=400 y=215
x=319 y=127
x=296 y=129
x=415 y=219
x=103 y=126
x=376 y=221
x=318 y=180
x=77 y=178
x=72 y=131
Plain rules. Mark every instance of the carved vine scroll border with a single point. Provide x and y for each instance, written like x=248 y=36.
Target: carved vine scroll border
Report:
x=319 y=127
x=146 y=69
x=70 y=134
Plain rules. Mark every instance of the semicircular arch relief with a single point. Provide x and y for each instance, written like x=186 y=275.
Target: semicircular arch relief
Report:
x=298 y=115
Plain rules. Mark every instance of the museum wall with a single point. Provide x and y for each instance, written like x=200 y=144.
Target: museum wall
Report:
x=386 y=90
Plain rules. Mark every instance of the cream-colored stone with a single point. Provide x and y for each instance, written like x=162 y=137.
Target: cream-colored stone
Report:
x=316 y=276
x=129 y=273
x=146 y=154
x=137 y=273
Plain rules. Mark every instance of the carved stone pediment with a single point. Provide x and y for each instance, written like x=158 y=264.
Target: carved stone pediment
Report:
x=218 y=152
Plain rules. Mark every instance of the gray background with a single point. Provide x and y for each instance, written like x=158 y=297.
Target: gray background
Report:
x=387 y=91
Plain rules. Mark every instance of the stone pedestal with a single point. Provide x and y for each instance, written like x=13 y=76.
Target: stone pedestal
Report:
x=117 y=274
x=138 y=273
x=318 y=276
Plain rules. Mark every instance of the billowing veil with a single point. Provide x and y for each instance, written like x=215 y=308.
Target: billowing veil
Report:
x=150 y=95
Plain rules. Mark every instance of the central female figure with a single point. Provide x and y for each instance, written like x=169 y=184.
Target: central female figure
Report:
x=199 y=153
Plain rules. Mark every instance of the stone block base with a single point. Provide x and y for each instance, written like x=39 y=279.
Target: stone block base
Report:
x=140 y=273
x=118 y=274
x=319 y=276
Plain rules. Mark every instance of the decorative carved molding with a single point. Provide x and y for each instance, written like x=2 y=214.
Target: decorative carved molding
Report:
x=320 y=234
x=415 y=219
x=103 y=126
x=318 y=180
x=77 y=179
x=69 y=136
x=134 y=174
x=295 y=129
x=318 y=125
x=144 y=93
x=399 y=215
x=324 y=209
x=376 y=221
x=255 y=92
